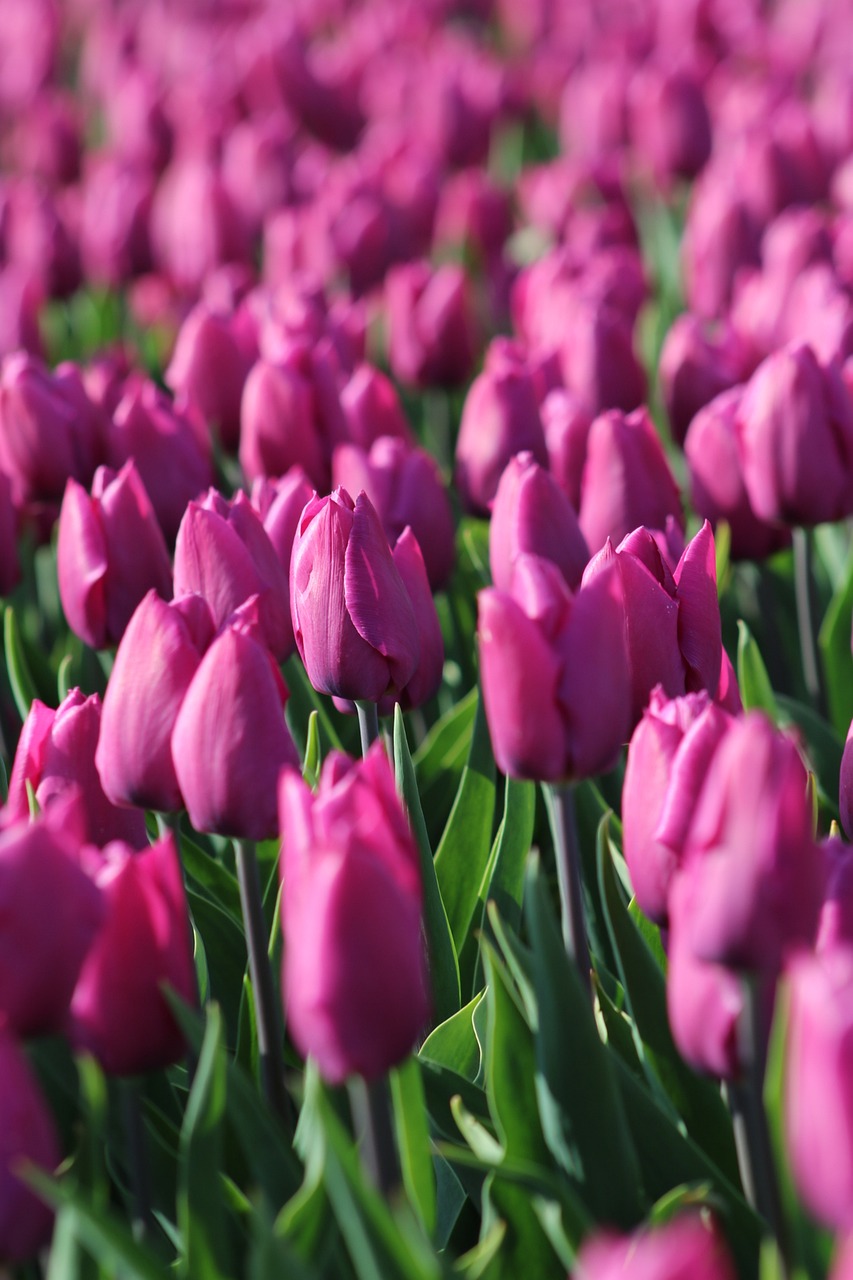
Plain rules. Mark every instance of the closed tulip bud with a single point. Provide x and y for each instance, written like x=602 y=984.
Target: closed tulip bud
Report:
x=119 y=1013
x=668 y=756
x=556 y=683
x=208 y=369
x=49 y=913
x=835 y=926
x=56 y=756
x=410 y=564
x=372 y=408
x=194 y=224
x=721 y=235
x=224 y=554
x=818 y=1085
x=670 y=122
x=354 y=973
x=598 y=359
x=532 y=514
x=845 y=784
x=405 y=486
x=685 y=1246
x=695 y=367
x=432 y=334
x=27 y=1133
x=705 y=1002
x=44 y=438
x=114 y=217
x=155 y=662
x=500 y=418
x=110 y=552
x=566 y=424
x=170 y=451
x=754 y=875
x=280 y=503
x=352 y=617
x=717 y=486
x=279 y=422
x=795 y=440
x=230 y=739
x=626 y=479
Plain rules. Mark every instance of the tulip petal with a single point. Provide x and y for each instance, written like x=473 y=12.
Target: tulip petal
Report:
x=377 y=600
x=81 y=563
x=699 y=627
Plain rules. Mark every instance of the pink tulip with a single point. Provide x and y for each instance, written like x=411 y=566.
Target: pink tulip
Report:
x=118 y=1011
x=531 y=513
x=208 y=369
x=27 y=1133
x=432 y=335
x=685 y=1247
x=354 y=972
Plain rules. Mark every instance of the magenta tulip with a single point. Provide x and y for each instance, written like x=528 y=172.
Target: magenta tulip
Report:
x=50 y=912
x=208 y=369
x=27 y=1133
x=354 y=972
x=532 y=514
x=156 y=660
x=110 y=552
x=686 y=1246
x=432 y=336
x=352 y=617
x=118 y=1011
x=230 y=739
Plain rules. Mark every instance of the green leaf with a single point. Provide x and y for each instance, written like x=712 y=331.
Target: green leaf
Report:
x=200 y=1216
x=579 y=1102
x=755 y=687
x=410 y=1121
x=311 y=764
x=210 y=874
x=304 y=699
x=464 y=850
x=443 y=962
x=20 y=676
x=697 y=1100
x=836 y=656
x=453 y=1043
x=503 y=882
x=107 y=1238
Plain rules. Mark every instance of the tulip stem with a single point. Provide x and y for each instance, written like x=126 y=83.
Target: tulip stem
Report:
x=752 y=1134
x=804 y=590
x=263 y=988
x=368 y=724
x=370 y=1104
x=137 y=1159
x=561 y=813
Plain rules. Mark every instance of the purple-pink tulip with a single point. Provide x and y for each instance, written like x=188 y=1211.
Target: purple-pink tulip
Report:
x=118 y=1012
x=531 y=513
x=554 y=669
x=230 y=739
x=208 y=369
x=354 y=973
x=156 y=660
x=27 y=1133
x=56 y=756
x=49 y=913
x=110 y=551
x=353 y=620
x=432 y=334
x=686 y=1247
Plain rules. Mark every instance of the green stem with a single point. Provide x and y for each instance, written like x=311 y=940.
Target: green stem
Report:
x=804 y=590
x=370 y=1103
x=561 y=813
x=752 y=1134
x=267 y=1013
x=368 y=724
x=137 y=1158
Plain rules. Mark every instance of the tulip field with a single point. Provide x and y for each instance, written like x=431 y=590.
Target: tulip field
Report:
x=426 y=675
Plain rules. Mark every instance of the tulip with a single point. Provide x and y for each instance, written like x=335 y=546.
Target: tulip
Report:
x=44 y=438
x=500 y=418
x=27 y=1133
x=818 y=1080
x=670 y=123
x=405 y=486
x=230 y=739
x=411 y=566
x=279 y=420
x=56 y=756
x=845 y=784
x=280 y=503
x=721 y=235
x=795 y=440
x=531 y=513
x=352 y=617
x=171 y=453
x=685 y=1246
x=156 y=660
x=110 y=552
x=566 y=425
x=554 y=670
x=114 y=218
x=118 y=1011
x=432 y=337
x=626 y=479
x=694 y=368
x=224 y=554
x=835 y=926
x=372 y=408
x=194 y=224
x=668 y=757
x=598 y=359
x=754 y=875
x=354 y=973
x=717 y=486
x=50 y=912
x=208 y=369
